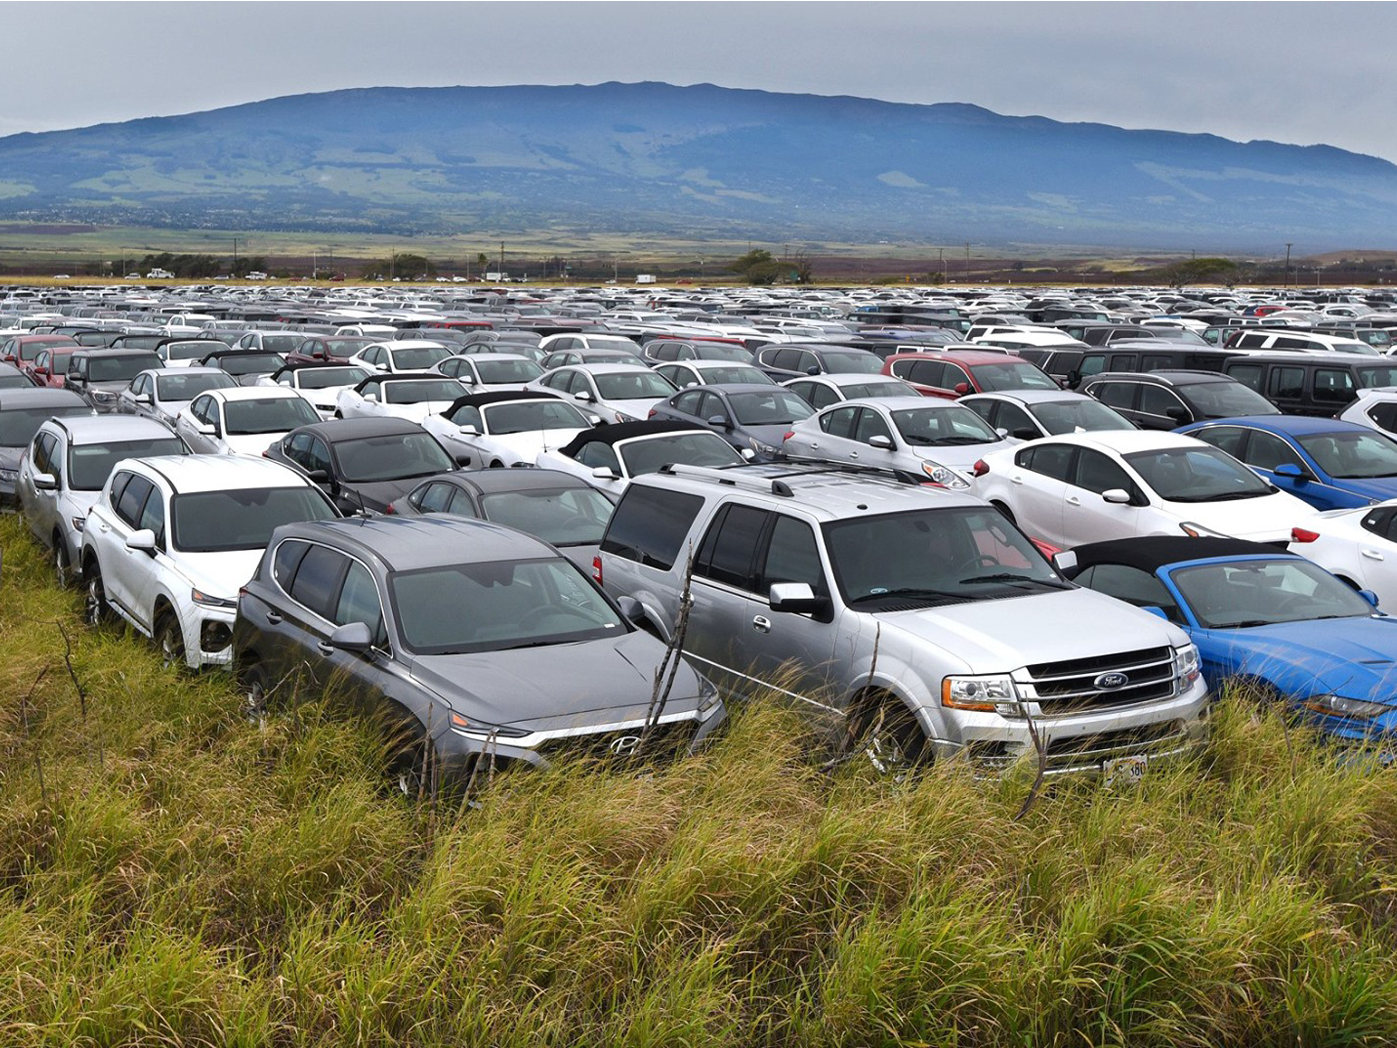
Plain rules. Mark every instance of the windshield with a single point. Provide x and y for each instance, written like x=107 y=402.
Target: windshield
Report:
x=324 y=378
x=893 y=387
x=1352 y=456
x=120 y=369
x=776 y=408
x=691 y=449
x=632 y=385
x=1226 y=400
x=1011 y=375
x=395 y=456
x=934 y=556
x=18 y=425
x=721 y=351
x=853 y=363
x=89 y=465
x=1197 y=475
x=525 y=415
x=1262 y=593
x=186 y=387
x=186 y=350
x=243 y=519
x=566 y=517
x=419 y=358
x=1373 y=377
x=278 y=415
x=943 y=427
x=507 y=370
x=248 y=363
x=282 y=343
x=491 y=607
x=1078 y=416
x=420 y=391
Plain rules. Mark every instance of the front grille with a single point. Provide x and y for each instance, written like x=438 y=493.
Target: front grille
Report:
x=1100 y=682
x=664 y=740
x=1085 y=753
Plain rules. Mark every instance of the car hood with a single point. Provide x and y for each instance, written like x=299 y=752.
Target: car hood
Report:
x=637 y=409
x=219 y=574
x=375 y=495
x=9 y=457
x=555 y=688
x=251 y=443
x=960 y=457
x=1354 y=657
x=1268 y=518
x=527 y=445
x=996 y=636
x=416 y=412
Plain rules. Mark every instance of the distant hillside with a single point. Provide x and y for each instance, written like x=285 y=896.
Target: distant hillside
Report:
x=655 y=159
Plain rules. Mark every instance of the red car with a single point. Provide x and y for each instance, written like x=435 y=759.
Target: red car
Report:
x=50 y=367
x=957 y=372
x=22 y=349
x=328 y=349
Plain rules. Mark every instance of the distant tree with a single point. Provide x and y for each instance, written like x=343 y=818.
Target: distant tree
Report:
x=759 y=267
x=1200 y=271
x=804 y=268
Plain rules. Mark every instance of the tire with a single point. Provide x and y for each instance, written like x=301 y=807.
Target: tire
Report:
x=97 y=611
x=62 y=563
x=169 y=640
x=889 y=738
x=254 y=685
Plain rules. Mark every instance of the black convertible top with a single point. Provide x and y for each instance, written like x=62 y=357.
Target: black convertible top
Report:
x=1150 y=553
x=624 y=431
x=498 y=396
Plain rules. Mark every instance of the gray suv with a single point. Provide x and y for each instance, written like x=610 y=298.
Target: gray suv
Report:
x=912 y=618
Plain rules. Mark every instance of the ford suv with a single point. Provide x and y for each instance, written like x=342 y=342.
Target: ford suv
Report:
x=917 y=620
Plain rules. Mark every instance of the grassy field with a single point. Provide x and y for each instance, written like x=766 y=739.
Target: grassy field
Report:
x=171 y=874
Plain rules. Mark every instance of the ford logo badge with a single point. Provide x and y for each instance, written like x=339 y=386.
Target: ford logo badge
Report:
x=1107 y=681
x=625 y=745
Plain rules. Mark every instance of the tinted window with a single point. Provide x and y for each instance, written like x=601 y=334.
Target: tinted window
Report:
x=839 y=422
x=1226 y=438
x=1248 y=375
x=792 y=556
x=133 y=497
x=649 y=525
x=1156 y=400
x=242 y=518
x=870 y=425
x=286 y=560
x=1333 y=386
x=1097 y=472
x=1131 y=585
x=89 y=465
x=358 y=602
x=1115 y=394
x=1051 y=460
x=728 y=551
x=1267 y=451
x=317 y=579
x=1287 y=383
x=1352 y=456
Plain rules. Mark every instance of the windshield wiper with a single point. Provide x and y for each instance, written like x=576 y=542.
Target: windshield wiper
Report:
x=1232 y=496
x=1009 y=576
x=911 y=592
x=526 y=644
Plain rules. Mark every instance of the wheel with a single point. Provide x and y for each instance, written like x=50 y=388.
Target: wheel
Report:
x=62 y=562
x=889 y=736
x=169 y=638
x=97 y=611
x=253 y=683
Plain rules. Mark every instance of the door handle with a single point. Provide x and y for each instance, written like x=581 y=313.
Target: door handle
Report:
x=853 y=454
x=104 y=528
x=1073 y=500
x=814 y=444
x=1016 y=480
x=274 y=617
x=761 y=624
x=325 y=647
x=1371 y=554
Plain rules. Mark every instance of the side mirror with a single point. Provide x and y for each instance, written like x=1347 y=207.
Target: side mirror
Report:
x=748 y=454
x=583 y=396
x=463 y=460
x=880 y=441
x=143 y=398
x=722 y=421
x=371 y=398
x=352 y=637
x=1024 y=433
x=1177 y=414
x=469 y=429
x=632 y=609
x=466 y=378
x=1369 y=596
x=143 y=540
x=1116 y=496
x=318 y=476
x=1155 y=609
x=1073 y=379
x=960 y=389
x=45 y=482
x=76 y=378
x=1289 y=470
x=207 y=429
x=604 y=473
x=796 y=597
x=812 y=371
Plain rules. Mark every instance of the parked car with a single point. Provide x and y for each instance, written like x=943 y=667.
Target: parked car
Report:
x=1261 y=338
x=820 y=391
x=929 y=627
x=67 y=465
x=242 y=420
x=617 y=392
x=711 y=373
x=957 y=372
x=328 y=349
x=411 y=395
x=609 y=457
x=549 y=504
x=282 y=343
x=99 y=375
x=22 y=349
x=1327 y=463
x=1028 y=414
x=321 y=384
x=482 y=372
x=755 y=416
x=577 y=340
x=1311 y=383
x=1089 y=487
x=393 y=357
x=563 y=357
x=170 y=541
x=507 y=428
x=660 y=350
x=1169 y=399
x=11 y=377
x=470 y=638
x=1358 y=545
x=1270 y=621
x=794 y=361
x=162 y=393
x=183 y=352
x=49 y=367
x=1374 y=408
x=22 y=412
x=245 y=365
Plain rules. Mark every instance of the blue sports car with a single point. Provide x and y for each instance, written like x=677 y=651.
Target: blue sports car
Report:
x=1327 y=463
x=1274 y=620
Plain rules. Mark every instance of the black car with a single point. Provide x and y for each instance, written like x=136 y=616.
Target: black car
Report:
x=1169 y=399
x=470 y=640
x=22 y=412
x=99 y=375
x=747 y=415
x=363 y=464
x=1321 y=384
x=658 y=350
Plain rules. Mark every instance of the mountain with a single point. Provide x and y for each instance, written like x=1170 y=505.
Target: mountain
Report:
x=653 y=159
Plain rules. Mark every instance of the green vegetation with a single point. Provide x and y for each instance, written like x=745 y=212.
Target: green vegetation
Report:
x=172 y=874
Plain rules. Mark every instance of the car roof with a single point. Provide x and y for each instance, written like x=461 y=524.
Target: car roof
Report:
x=499 y=396
x=190 y=473
x=38 y=397
x=434 y=540
x=1295 y=425
x=98 y=429
x=194 y=369
x=1163 y=377
x=728 y=388
x=334 y=430
x=839 y=378
x=1030 y=396
x=1153 y=552
x=603 y=369
x=969 y=357
x=251 y=393
x=619 y=431
x=1123 y=441
x=488 y=481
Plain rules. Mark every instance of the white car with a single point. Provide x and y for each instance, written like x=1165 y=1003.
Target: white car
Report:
x=1359 y=545
x=1032 y=413
x=242 y=420
x=608 y=457
x=407 y=355
x=913 y=434
x=1089 y=487
x=1374 y=408
x=185 y=352
x=162 y=393
x=618 y=392
x=413 y=396
x=321 y=384
x=820 y=391
x=482 y=372
x=171 y=539
x=686 y=373
x=507 y=429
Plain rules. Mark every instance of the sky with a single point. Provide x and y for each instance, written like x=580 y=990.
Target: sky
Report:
x=1300 y=73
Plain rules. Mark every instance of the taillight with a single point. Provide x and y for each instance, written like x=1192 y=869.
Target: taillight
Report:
x=1301 y=535
x=981 y=468
x=596 y=569
x=651 y=414
x=787 y=435
x=388 y=509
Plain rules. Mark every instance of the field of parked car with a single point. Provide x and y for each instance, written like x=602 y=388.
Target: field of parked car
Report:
x=805 y=643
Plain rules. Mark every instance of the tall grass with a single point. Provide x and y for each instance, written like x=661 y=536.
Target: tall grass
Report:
x=173 y=874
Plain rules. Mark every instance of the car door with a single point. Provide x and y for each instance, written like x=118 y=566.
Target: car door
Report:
x=146 y=570
x=870 y=424
x=1377 y=550
x=40 y=507
x=721 y=620
x=1267 y=451
x=309 y=575
x=1160 y=408
x=1038 y=485
x=833 y=440
x=1086 y=515
x=117 y=561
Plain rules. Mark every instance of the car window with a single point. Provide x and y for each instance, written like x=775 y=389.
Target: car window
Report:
x=728 y=552
x=1230 y=439
x=1267 y=451
x=598 y=455
x=41 y=456
x=1286 y=382
x=153 y=515
x=1333 y=386
x=871 y=424
x=317 y=579
x=1157 y=400
x=358 y=602
x=119 y=483
x=1097 y=472
x=286 y=560
x=1050 y=460
x=1131 y=585
x=792 y=556
x=1013 y=418
x=133 y=497
x=1384 y=416
x=649 y=525
x=688 y=402
x=840 y=422
x=1247 y=374
x=1115 y=394
x=434 y=498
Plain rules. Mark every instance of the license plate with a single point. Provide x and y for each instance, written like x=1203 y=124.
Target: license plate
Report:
x=1124 y=771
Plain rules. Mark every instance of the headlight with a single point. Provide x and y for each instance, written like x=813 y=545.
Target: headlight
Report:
x=947 y=478
x=762 y=449
x=8 y=476
x=209 y=601
x=97 y=394
x=1198 y=531
x=621 y=416
x=1338 y=706
x=978 y=693
x=1186 y=665
x=78 y=523
x=708 y=694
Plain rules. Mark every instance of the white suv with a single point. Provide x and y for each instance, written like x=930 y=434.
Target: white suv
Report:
x=171 y=539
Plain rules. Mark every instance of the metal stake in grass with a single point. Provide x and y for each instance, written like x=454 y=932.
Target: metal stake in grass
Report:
x=669 y=665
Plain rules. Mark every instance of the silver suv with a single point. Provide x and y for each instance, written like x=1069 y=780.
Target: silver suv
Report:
x=913 y=618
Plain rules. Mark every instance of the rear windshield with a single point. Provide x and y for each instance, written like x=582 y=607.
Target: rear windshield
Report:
x=89 y=465
x=649 y=525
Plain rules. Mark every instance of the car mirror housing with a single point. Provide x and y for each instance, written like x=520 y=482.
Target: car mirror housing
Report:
x=604 y=473
x=143 y=540
x=45 y=482
x=1290 y=470
x=470 y=429
x=1155 y=609
x=583 y=396
x=721 y=421
x=352 y=637
x=632 y=609
x=1116 y=496
x=795 y=597
x=1369 y=596
x=748 y=454
x=880 y=441
x=961 y=388
x=319 y=476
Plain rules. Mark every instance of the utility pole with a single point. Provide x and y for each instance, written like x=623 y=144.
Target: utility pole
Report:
x=314 y=268
x=967 y=261
x=1287 y=263
x=941 y=260
x=501 y=259
x=235 y=256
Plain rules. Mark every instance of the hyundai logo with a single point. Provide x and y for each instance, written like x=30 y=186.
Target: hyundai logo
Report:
x=1107 y=681
x=625 y=745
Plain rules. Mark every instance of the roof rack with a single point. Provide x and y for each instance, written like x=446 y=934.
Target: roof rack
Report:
x=778 y=483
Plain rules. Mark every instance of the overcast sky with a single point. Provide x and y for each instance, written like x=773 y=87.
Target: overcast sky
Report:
x=1300 y=73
